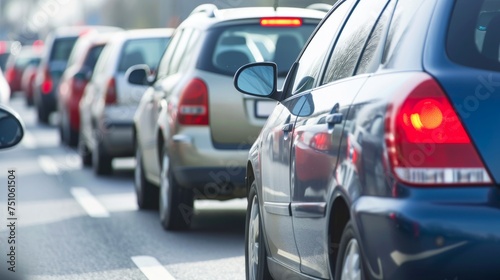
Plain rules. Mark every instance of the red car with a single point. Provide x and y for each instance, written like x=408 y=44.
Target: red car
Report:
x=81 y=64
x=18 y=62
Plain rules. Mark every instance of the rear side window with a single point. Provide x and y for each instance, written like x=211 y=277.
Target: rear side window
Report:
x=231 y=47
x=62 y=48
x=474 y=34
x=142 y=51
x=92 y=56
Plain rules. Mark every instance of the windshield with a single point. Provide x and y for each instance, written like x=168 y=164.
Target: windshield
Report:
x=237 y=45
x=474 y=34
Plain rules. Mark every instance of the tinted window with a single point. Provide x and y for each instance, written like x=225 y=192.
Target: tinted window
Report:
x=474 y=34
x=352 y=40
x=142 y=51
x=180 y=51
x=236 y=45
x=316 y=51
x=92 y=56
x=62 y=48
x=167 y=57
x=372 y=54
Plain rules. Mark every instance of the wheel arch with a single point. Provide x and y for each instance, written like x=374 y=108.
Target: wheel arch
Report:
x=339 y=216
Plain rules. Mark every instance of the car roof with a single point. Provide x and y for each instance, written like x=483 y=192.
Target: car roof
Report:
x=143 y=33
x=74 y=31
x=210 y=15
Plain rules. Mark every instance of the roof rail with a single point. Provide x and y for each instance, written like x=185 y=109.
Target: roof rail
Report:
x=323 y=7
x=209 y=9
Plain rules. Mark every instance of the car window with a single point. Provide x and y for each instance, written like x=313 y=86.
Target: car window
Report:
x=474 y=34
x=312 y=58
x=403 y=15
x=102 y=61
x=62 y=48
x=352 y=40
x=142 y=51
x=92 y=56
x=372 y=54
x=189 y=50
x=231 y=47
x=181 y=50
x=167 y=56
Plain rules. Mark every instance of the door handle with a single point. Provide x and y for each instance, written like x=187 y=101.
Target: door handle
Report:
x=334 y=119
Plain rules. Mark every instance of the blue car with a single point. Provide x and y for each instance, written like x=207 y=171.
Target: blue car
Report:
x=388 y=162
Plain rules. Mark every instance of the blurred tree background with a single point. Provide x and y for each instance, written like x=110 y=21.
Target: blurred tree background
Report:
x=27 y=20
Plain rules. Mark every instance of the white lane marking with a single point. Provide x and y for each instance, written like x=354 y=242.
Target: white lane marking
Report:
x=29 y=140
x=152 y=268
x=89 y=203
x=48 y=165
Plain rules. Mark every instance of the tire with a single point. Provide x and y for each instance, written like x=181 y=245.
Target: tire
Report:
x=29 y=102
x=255 y=248
x=146 y=193
x=70 y=136
x=176 y=204
x=101 y=162
x=85 y=153
x=349 y=264
x=43 y=115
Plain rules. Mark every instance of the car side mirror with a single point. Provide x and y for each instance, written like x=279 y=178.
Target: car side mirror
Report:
x=139 y=75
x=258 y=79
x=11 y=128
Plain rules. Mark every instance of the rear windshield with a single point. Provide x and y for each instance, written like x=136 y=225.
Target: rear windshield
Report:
x=62 y=49
x=231 y=47
x=142 y=51
x=474 y=34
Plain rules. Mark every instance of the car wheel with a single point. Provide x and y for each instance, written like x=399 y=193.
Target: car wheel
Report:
x=70 y=135
x=61 y=133
x=101 y=162
x=43 y=115
x=349 y=264
x=175 y=203
x=85 y=153
x=29 y=102
x=147 y=193
x=255 y=249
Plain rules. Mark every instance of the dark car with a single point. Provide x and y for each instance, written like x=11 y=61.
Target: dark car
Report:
x=388 y=158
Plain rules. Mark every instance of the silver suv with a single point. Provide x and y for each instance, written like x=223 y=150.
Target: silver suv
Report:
x=192 y=128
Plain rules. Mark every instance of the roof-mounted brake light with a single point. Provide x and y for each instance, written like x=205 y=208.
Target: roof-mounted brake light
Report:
x=281 y=22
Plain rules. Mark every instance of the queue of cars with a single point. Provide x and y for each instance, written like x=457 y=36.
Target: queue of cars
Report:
x=366 y=150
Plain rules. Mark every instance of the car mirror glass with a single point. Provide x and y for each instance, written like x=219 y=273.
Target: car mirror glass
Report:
x=257 y=79
x=11 y=129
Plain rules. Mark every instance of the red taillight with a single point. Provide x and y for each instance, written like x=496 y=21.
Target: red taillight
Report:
x=193 y=104
x=321 y=141
x=9 y=75
x=111 y=92
x=427 y=142
x=281 y=22
x=47 y=83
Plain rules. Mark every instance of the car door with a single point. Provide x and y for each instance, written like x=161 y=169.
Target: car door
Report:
x=277 y=137
x=319 y=136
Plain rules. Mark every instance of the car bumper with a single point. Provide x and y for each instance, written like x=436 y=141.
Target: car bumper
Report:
x=431 y=234
x=118 y=138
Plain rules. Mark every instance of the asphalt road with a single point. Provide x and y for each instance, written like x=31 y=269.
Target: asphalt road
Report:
x=73 y=225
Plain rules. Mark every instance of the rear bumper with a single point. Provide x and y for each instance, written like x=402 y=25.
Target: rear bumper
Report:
x=117 y=138
x=435 y=236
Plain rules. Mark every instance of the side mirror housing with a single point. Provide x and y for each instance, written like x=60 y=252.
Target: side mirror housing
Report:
x=258 y=79
x=11 y=128
x=138 y=75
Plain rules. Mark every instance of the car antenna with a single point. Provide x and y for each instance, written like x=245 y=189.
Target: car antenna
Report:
x=276 y=4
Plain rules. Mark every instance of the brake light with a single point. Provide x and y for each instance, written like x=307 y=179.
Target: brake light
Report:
x=426 y=141
x=321 y=141
x=110 y=97
x=281 y=22
x=9 y=75
x=47 y=83
x=193 y=104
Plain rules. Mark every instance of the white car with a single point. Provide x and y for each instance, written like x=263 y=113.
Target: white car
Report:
x=109 y=101
x=4 y=89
